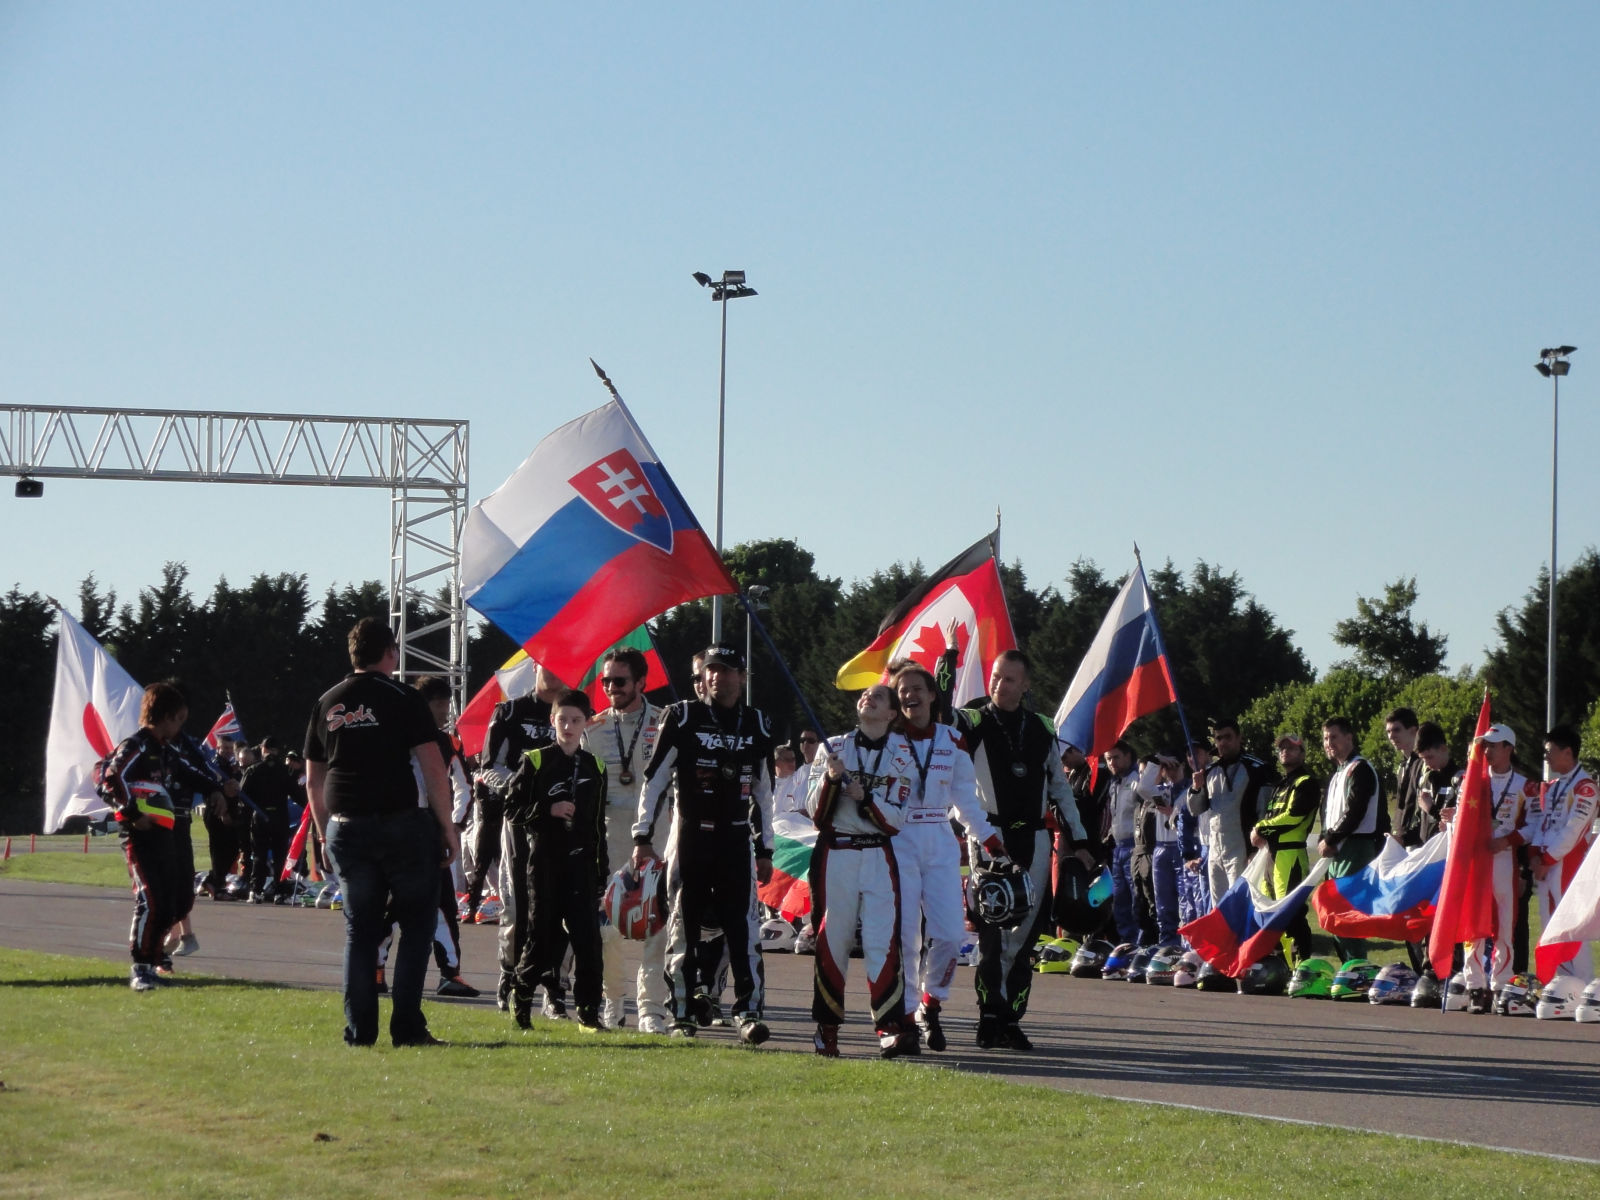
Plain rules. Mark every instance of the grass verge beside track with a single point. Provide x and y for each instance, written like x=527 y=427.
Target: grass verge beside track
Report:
x=211 y=1087
x=60 y=859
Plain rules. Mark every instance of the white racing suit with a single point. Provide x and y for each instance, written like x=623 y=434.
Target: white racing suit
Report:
x=1559 y=833
x=624 y=742
x=854 y=877
x=1232 y=795
x=1511 y=795
x=929 y=856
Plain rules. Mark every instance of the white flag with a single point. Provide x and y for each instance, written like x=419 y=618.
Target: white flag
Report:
x=96 y=706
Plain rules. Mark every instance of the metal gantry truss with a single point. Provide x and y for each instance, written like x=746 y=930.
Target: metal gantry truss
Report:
x=422 y=464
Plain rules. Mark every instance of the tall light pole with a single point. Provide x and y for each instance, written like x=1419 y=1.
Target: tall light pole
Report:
x=1553 y=365
x=730 y=287
x=755 y=598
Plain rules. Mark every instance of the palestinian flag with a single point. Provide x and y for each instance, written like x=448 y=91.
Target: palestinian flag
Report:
x=793 y=839
x=655 y=676
x=966 y=593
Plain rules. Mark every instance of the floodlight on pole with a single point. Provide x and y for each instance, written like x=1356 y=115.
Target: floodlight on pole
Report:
x=1553 y=365
x=730 y=287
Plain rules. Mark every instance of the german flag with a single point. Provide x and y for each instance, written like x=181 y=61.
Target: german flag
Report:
x=965 y=594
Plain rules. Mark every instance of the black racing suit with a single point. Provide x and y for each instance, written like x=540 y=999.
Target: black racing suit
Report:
x=270 y=788
x=559 y=868
x=720 y=760
x=516 y=727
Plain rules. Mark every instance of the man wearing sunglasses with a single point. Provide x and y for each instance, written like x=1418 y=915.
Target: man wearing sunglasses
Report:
x=623 y=737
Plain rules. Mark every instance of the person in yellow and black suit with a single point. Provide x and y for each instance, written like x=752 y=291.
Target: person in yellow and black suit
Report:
x=1285 y=828
x=556 y=813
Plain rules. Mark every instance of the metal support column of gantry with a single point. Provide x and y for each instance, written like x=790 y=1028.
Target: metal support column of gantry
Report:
x=422 y=464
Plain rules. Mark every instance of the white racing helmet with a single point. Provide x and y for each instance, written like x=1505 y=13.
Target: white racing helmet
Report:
x=1455 y=993
x=1560 y=999
x=777 y=936
x=1187 y=973
x=1588 y=1010
x=1519 y=997
x=1394 y=985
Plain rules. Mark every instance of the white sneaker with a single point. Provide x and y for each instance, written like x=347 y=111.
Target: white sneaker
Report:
x=142 y=978
x=659 y=1026
x=187 y=944
x=611 y=1013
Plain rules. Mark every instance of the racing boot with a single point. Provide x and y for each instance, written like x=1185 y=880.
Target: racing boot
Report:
x=826 y=1041
x=928 y=1022
x=991 y=1033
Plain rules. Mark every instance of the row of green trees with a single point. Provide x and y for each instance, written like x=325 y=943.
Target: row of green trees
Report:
x=273 y=648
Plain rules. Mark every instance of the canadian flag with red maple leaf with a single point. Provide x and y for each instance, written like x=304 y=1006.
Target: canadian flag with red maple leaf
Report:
x=96 y=706
x=965 y=594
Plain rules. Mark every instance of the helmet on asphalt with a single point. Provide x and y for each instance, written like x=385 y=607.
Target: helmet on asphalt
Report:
x=1118 y=961
x=1140 y=963
x=1518 y=998
x=1002 y=894
x=1269 y=977
x=1071 y=909
x=1588 y=1009
x=1055 y=955
x=1354 y=979
x=777 y=936
x=1425 y=993
x=1163 y=965
x=632 y=903
x=1455 y=993
x=1187 y=973
x=1560 y=998
x=1313 y=979
x=1090 y=959
x=1394 y=985
x=1212 y=979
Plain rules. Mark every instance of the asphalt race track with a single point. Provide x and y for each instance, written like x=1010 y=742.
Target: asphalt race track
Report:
x=1513 y=1083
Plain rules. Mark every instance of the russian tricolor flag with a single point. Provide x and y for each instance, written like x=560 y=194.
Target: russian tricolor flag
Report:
x=1246 y=926
x=588 y=539
x=1394 y=896
x=1124 y=675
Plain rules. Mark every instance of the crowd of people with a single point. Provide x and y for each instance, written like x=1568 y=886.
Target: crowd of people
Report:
x=934 y=824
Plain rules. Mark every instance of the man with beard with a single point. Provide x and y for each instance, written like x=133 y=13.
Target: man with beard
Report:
x=623 y=737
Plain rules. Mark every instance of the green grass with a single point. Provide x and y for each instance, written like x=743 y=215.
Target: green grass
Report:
x=212 y=1088
x=60 y=859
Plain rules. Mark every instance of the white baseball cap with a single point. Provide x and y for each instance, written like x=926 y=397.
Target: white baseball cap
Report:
x=1498 y=733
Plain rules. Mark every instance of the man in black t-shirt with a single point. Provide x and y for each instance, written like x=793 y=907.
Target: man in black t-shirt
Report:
x=368 y=738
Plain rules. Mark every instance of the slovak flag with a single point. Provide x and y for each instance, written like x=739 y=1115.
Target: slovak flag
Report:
x=587 y=539
x=1394 y=896
x=965 y=593
x=1124 y=676
x=95 y=706
x=1246 y=926
x=225 y=726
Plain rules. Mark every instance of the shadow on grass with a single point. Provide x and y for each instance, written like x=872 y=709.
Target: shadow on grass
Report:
x=188 y=983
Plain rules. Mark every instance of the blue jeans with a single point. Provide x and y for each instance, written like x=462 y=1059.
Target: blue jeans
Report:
x=1122 y=892
x=386 y=864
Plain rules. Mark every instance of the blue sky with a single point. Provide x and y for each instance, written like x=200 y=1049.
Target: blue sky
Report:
x=1261 y=285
